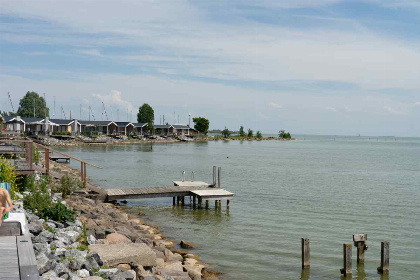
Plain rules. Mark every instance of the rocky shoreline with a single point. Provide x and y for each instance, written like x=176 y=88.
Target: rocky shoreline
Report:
x=105 y=242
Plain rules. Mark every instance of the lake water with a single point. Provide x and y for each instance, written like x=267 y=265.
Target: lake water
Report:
x=325 y=188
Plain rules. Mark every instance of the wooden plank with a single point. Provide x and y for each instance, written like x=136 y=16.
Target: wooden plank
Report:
x=384 y=268
x=9 y=266
x=347 y=262
x=10 y=228
x=306 y=253
x=27 y=261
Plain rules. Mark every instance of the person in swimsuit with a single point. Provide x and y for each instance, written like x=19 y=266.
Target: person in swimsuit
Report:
x=4 y=200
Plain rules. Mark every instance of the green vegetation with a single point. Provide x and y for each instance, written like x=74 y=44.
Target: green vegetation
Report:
x=146 y=114
x=259 y=135
x=35 y=154
x=84 y=245
x=250 y=133
x=7 y=174
x=242 y=132
x=90 y=133
x=284 y=135
x=201 y=124
x=225 y=133
x=40 y=203
x=62 y=133
x=68 y=185
x=30 y=101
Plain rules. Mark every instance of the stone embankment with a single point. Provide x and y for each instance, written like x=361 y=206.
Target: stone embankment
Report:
x=120 y=247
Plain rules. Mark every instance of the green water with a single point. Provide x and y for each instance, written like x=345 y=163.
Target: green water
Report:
x=325 y=188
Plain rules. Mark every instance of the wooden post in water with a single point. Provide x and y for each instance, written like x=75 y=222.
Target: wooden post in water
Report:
x=227 y=203
x=81 y=171
x=177 y=200
x=207 y=204
x=182 y=200
x=214 y=176
x=47 y=160
x=360 y=243
x=194 y=205
x=384 y=268
x=173 y=201
x=347 y=254
x=219 y=178
x=306 y=253
x=200 y=201
x=215 y=204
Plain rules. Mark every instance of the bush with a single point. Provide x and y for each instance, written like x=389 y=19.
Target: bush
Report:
x=7 y=174
x=40 y=203
x=69 y=185
x=62 y=133
x=35 y=154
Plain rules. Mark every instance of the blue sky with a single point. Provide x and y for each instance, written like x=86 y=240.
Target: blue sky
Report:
x=307 y=66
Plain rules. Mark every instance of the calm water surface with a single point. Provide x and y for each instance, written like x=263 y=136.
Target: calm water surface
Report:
x=325 y=188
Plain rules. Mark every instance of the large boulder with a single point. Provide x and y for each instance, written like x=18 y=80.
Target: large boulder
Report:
x=114 y=254
x=116 y=238
x=186 y=245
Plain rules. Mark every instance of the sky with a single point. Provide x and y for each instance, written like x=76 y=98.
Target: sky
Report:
x=307 y=66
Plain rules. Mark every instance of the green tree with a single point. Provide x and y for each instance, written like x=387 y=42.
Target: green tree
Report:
x=282 y=133
x=30 y=101
x=250 y=133
x=259 y=135
x=146 y=114
x=201 y=124
x=225 y=132
x=241 y=131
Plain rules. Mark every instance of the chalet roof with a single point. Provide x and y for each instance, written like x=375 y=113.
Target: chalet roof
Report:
x=181 y=126
x=8 y=118
x=161 y=126
x=32 y=120
x=97 y=123
x=62 y=122
x=139 y=124
x=124 y=123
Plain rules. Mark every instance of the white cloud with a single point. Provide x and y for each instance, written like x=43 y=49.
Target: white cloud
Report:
x=275 y=105
x=331 y=109
x=92 y=52
x=416 y=104
x=115 y=98
x=393 y=111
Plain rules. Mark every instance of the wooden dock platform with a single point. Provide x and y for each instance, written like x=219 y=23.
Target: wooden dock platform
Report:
x=139 y=193
x=59 y=158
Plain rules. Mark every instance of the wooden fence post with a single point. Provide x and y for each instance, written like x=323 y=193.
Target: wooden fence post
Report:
x=306 y=253
x=384 y=268
x=347 y=254
x=219 y=178
x=29 y=159
x=84 y=173
x=47 y=160
x=82 y=177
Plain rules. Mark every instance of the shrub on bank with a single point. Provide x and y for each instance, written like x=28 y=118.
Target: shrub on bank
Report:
x=68 y=185
x=7 y=174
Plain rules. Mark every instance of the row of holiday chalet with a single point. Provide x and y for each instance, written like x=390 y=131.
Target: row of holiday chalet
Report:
x=76 y=127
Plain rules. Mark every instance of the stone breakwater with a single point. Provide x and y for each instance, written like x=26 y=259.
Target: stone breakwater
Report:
x=120 y=247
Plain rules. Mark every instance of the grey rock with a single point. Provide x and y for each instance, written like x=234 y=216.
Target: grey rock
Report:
x=94 y=278
x=92 y=240
x=60 y=269
x=58 y=243
x=149 y=277
x=50 y=224
x=43 y=237
x=60 y=252
x=114 y=254
x=87 y=265
x=41 y=248
x=75 y=265
x=127 y=275
x=83 y=273
x=35 y=228
x=109 y=272
x=50 y=275
x=100 y=234
x=78 y=223
x=95 y=256
x=43 y=263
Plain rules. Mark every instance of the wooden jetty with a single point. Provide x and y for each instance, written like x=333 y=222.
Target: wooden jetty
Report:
x=198 y=192
x=59 y=158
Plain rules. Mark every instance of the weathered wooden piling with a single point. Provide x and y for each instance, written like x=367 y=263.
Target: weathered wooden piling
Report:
x=306 y=253
x=200 y=202
x=173 y=200
x=360 y=243
x=194 y=203
x=384 y=268
x=47 y=161
x=347 y=262
x=214 y=176
x=216 y=204
x=219 y=178
x=207 y=204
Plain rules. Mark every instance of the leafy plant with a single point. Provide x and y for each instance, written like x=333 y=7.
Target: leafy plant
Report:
x=58 y=212
x=35 y=154
x=201 y=124
x=259 y=135
x=68 y=185
x=225 y=133
x=250 y=133
x=241 y=131
x=7 y=174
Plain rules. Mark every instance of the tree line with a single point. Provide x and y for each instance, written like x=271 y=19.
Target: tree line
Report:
x=242 y=134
